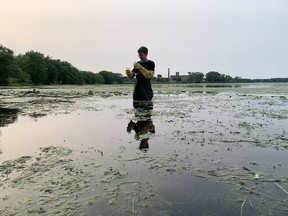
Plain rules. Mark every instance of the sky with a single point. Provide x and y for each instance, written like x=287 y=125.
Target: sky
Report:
x=246 y=38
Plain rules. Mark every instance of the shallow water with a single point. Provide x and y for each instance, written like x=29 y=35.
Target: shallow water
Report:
x=221 y=152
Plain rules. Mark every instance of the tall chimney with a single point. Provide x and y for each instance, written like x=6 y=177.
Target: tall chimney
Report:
x=168 y=73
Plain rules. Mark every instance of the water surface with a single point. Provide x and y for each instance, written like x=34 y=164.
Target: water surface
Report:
x=200 y=151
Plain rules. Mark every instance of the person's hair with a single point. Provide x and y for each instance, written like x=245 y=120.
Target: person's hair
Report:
x=143 y=49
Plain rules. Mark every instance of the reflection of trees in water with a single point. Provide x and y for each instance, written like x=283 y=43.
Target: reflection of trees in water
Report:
x=7 y=116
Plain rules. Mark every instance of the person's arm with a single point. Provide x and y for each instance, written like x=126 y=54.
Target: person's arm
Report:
x=148 y=74
x=130 y=74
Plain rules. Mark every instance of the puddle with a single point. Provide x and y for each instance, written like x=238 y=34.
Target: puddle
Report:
x=87 y=151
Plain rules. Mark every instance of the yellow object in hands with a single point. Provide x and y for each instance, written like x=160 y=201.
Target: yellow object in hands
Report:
x=137 y=65
x=148 y=74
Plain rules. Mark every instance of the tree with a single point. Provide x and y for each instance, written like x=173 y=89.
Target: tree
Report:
x=53 y=69
x=195 y=77
x=92 y=78
x=68 y=74
x=6 y=50
x=7 y=64
x=99 y=79
x=237 y=79
x=108 y=76
x=159 y=78
x=118 y=77
x=214 y=76
x=228 y=79
x=88 y=77
x=18 y=75
x=33 y=63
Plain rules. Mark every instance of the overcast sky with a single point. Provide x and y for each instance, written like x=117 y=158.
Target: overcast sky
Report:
x=247 y=38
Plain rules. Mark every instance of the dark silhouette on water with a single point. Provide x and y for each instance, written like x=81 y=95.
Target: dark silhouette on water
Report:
x=7 y=116
x=144 y=123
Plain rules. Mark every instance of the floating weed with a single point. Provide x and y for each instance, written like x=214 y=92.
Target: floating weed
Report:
x=39 y=210
x=244 y=125
x=10 y=166
x=112 y=174
x=90 y=93
x=47 y=178
x=55 y=182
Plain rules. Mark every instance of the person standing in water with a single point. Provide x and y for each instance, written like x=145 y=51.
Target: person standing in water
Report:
x=144 y=71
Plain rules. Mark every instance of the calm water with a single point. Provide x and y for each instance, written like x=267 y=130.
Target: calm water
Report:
x=194 y=153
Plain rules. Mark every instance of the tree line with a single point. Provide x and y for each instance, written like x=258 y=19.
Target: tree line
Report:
x=214 y=77
x=36 y=68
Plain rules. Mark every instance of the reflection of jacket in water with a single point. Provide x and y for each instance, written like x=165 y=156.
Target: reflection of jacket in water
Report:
x=142 y=127
x=142 y=86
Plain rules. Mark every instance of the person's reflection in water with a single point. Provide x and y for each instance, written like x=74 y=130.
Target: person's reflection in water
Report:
x=144 y=125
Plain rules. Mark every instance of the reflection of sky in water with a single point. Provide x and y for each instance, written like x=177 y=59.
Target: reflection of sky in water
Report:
x=89 y=128
x=106 y=128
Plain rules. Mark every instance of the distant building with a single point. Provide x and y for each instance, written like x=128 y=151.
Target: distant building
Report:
x=184 y=78
x=178 y=77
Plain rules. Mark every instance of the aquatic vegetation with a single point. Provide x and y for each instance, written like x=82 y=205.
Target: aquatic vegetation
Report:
x=44 y=179
x=111 y=174
x=56 y=182
x=90 y=92
x=9 y=166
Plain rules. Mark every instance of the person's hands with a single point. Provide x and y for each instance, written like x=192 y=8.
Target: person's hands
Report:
x=128 y=72
x=146 y=73
x=137 y=66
